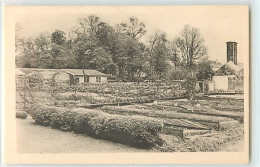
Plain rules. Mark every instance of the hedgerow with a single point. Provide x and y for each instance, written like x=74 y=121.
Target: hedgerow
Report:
x=137 y=131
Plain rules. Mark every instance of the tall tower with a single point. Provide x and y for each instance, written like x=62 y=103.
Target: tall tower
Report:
x=232 y=52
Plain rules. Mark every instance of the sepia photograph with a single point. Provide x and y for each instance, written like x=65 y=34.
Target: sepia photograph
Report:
x=161 y=80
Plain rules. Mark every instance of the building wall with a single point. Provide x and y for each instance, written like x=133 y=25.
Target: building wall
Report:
x=220 y=82
x=81 y=79
x=211 y=86
x=103 y=79
x=92 y=79
x=205 y=86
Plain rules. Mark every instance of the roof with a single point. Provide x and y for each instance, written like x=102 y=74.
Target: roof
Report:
x=30 y=70
x=82 y=72
x=231 y=65
x=228 y=69
x=48 y=73
x=231 y=42
x=42 y=73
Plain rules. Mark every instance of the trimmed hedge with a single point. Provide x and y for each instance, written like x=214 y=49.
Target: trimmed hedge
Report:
x=21 y=114
x=137 y=131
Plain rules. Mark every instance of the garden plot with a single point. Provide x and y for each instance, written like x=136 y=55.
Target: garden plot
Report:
x=108 y=93
x=213 y=122
x=192 y=132
x=187 y=129
x=208 y=142
x=202 y=108
x=223 y=104
x=237 y=116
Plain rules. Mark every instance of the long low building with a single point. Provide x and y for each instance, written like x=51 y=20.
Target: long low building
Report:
x=68 y=76
x=81 y=76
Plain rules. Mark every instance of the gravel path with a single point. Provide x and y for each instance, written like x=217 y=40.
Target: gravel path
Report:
x=33 y=138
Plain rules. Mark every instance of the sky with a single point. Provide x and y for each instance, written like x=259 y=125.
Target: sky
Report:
x=217 y=25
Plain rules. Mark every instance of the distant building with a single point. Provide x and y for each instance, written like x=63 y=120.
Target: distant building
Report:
x=68 y=76
x=205 y=86
x=82 y=76
x=227 y=77
x=232 y=52
x=220 y=82
x=140 y=74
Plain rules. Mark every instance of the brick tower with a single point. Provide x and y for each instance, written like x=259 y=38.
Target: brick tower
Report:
x=232 y=52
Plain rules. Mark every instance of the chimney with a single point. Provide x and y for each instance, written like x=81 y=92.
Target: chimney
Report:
x=232 y=52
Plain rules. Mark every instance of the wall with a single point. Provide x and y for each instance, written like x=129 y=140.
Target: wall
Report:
x=81 y=79
x=103 y=79
x=220 y=82
x=211 y=86
x=92 y=79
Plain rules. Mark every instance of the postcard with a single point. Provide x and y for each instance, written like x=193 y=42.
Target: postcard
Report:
x=126 y=84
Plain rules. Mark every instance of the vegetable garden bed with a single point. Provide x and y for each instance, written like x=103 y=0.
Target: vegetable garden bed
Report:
x=211 y=121
x=234 y=115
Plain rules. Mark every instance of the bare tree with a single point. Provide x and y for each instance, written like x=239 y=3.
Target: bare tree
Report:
x=190 y=46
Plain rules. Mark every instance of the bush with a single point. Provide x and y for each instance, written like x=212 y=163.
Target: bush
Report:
x=21 y=114
x=137 y=131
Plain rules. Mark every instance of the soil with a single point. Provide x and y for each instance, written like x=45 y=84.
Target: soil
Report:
x=236 y=146
x=33 y=138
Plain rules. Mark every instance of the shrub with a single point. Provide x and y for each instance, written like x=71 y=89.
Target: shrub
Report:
x=137 y=131
x=21 y=114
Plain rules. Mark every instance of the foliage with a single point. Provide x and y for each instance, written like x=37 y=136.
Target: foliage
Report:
x=158 y=55
x=190 y=85
x=117 y=50
x=58 y=37
x=190 y=46
x=205 y=71
x=178 y=73
x=136 y=131
x=134 y=28
x=21 y=114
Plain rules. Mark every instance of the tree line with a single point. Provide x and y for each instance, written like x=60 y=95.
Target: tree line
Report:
x=116 y=50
